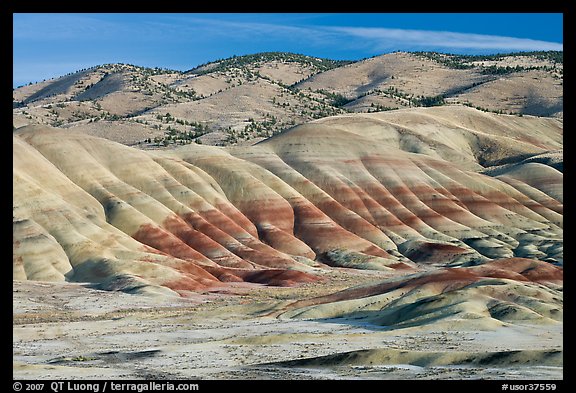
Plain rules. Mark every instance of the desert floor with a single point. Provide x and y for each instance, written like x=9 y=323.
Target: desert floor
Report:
x=66 y=330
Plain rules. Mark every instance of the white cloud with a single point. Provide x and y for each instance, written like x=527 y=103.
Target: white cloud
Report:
x=383 y=38
x=191 y=27
x=374 y=39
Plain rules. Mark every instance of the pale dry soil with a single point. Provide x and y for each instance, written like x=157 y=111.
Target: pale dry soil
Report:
x=71 y=331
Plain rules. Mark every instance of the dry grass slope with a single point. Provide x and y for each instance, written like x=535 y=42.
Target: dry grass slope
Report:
x=244 y=99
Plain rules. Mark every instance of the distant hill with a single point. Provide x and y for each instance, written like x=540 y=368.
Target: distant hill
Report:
x=245 y=99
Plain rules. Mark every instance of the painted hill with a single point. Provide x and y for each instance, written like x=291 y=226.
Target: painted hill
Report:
x=400 y=193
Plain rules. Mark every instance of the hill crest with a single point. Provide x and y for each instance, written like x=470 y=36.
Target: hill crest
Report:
x=160 y=107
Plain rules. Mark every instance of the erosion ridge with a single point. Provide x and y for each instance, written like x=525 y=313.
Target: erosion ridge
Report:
x=338 y=192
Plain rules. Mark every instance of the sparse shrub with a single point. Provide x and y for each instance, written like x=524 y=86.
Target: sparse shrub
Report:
x=428 y=101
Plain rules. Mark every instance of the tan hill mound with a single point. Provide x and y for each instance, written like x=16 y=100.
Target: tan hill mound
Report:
x=541 y=172
x=458 y=134
x=497 y=292
x=533 y=92
x=407 y=72
x=519 y=84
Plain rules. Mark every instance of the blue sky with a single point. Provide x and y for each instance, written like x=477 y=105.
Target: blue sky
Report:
x=48 y=45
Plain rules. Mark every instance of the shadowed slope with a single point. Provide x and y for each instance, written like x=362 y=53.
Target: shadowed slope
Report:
x=382 y=356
